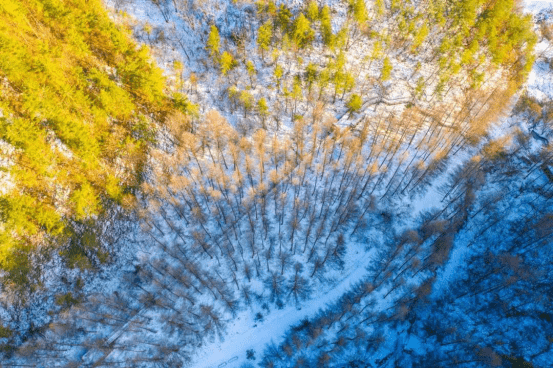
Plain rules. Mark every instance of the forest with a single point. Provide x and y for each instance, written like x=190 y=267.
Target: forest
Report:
x=276 y=183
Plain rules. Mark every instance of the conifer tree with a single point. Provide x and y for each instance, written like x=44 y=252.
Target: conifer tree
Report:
x=359 y=10
x=227 y=63
x=422 y=33
x=326 y=26
x=213 y=43
x=355 y=103
x=311 y=72
x=379 y=8
x=250 y=68
x=386 y=71
x=303 y=34
x=278 y=73
x=284 y=18
x=297 y=92
x=312 y=11
x=263 y=109
x=247 y=101
x=264 y=35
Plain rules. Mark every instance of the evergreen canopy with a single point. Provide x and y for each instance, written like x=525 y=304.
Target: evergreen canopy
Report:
x=77 y=102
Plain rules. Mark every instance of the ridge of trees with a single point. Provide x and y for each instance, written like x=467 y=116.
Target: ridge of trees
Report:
x=80 y=104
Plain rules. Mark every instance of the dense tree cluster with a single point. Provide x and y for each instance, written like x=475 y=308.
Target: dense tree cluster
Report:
x=488 y=305
x=77 y=111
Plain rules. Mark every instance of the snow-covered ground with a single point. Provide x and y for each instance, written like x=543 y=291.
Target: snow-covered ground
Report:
x=537 y=6
x=243 y=333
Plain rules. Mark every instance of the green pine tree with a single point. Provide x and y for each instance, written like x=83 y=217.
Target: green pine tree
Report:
x=213 y=43
x=264 y=35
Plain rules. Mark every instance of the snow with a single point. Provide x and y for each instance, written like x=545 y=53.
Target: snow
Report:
x=242 y=336
x=540 y=82
x=537 y=6
x=414 y=343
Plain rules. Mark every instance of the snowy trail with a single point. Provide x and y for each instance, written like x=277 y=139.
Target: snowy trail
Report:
x=242 y=336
